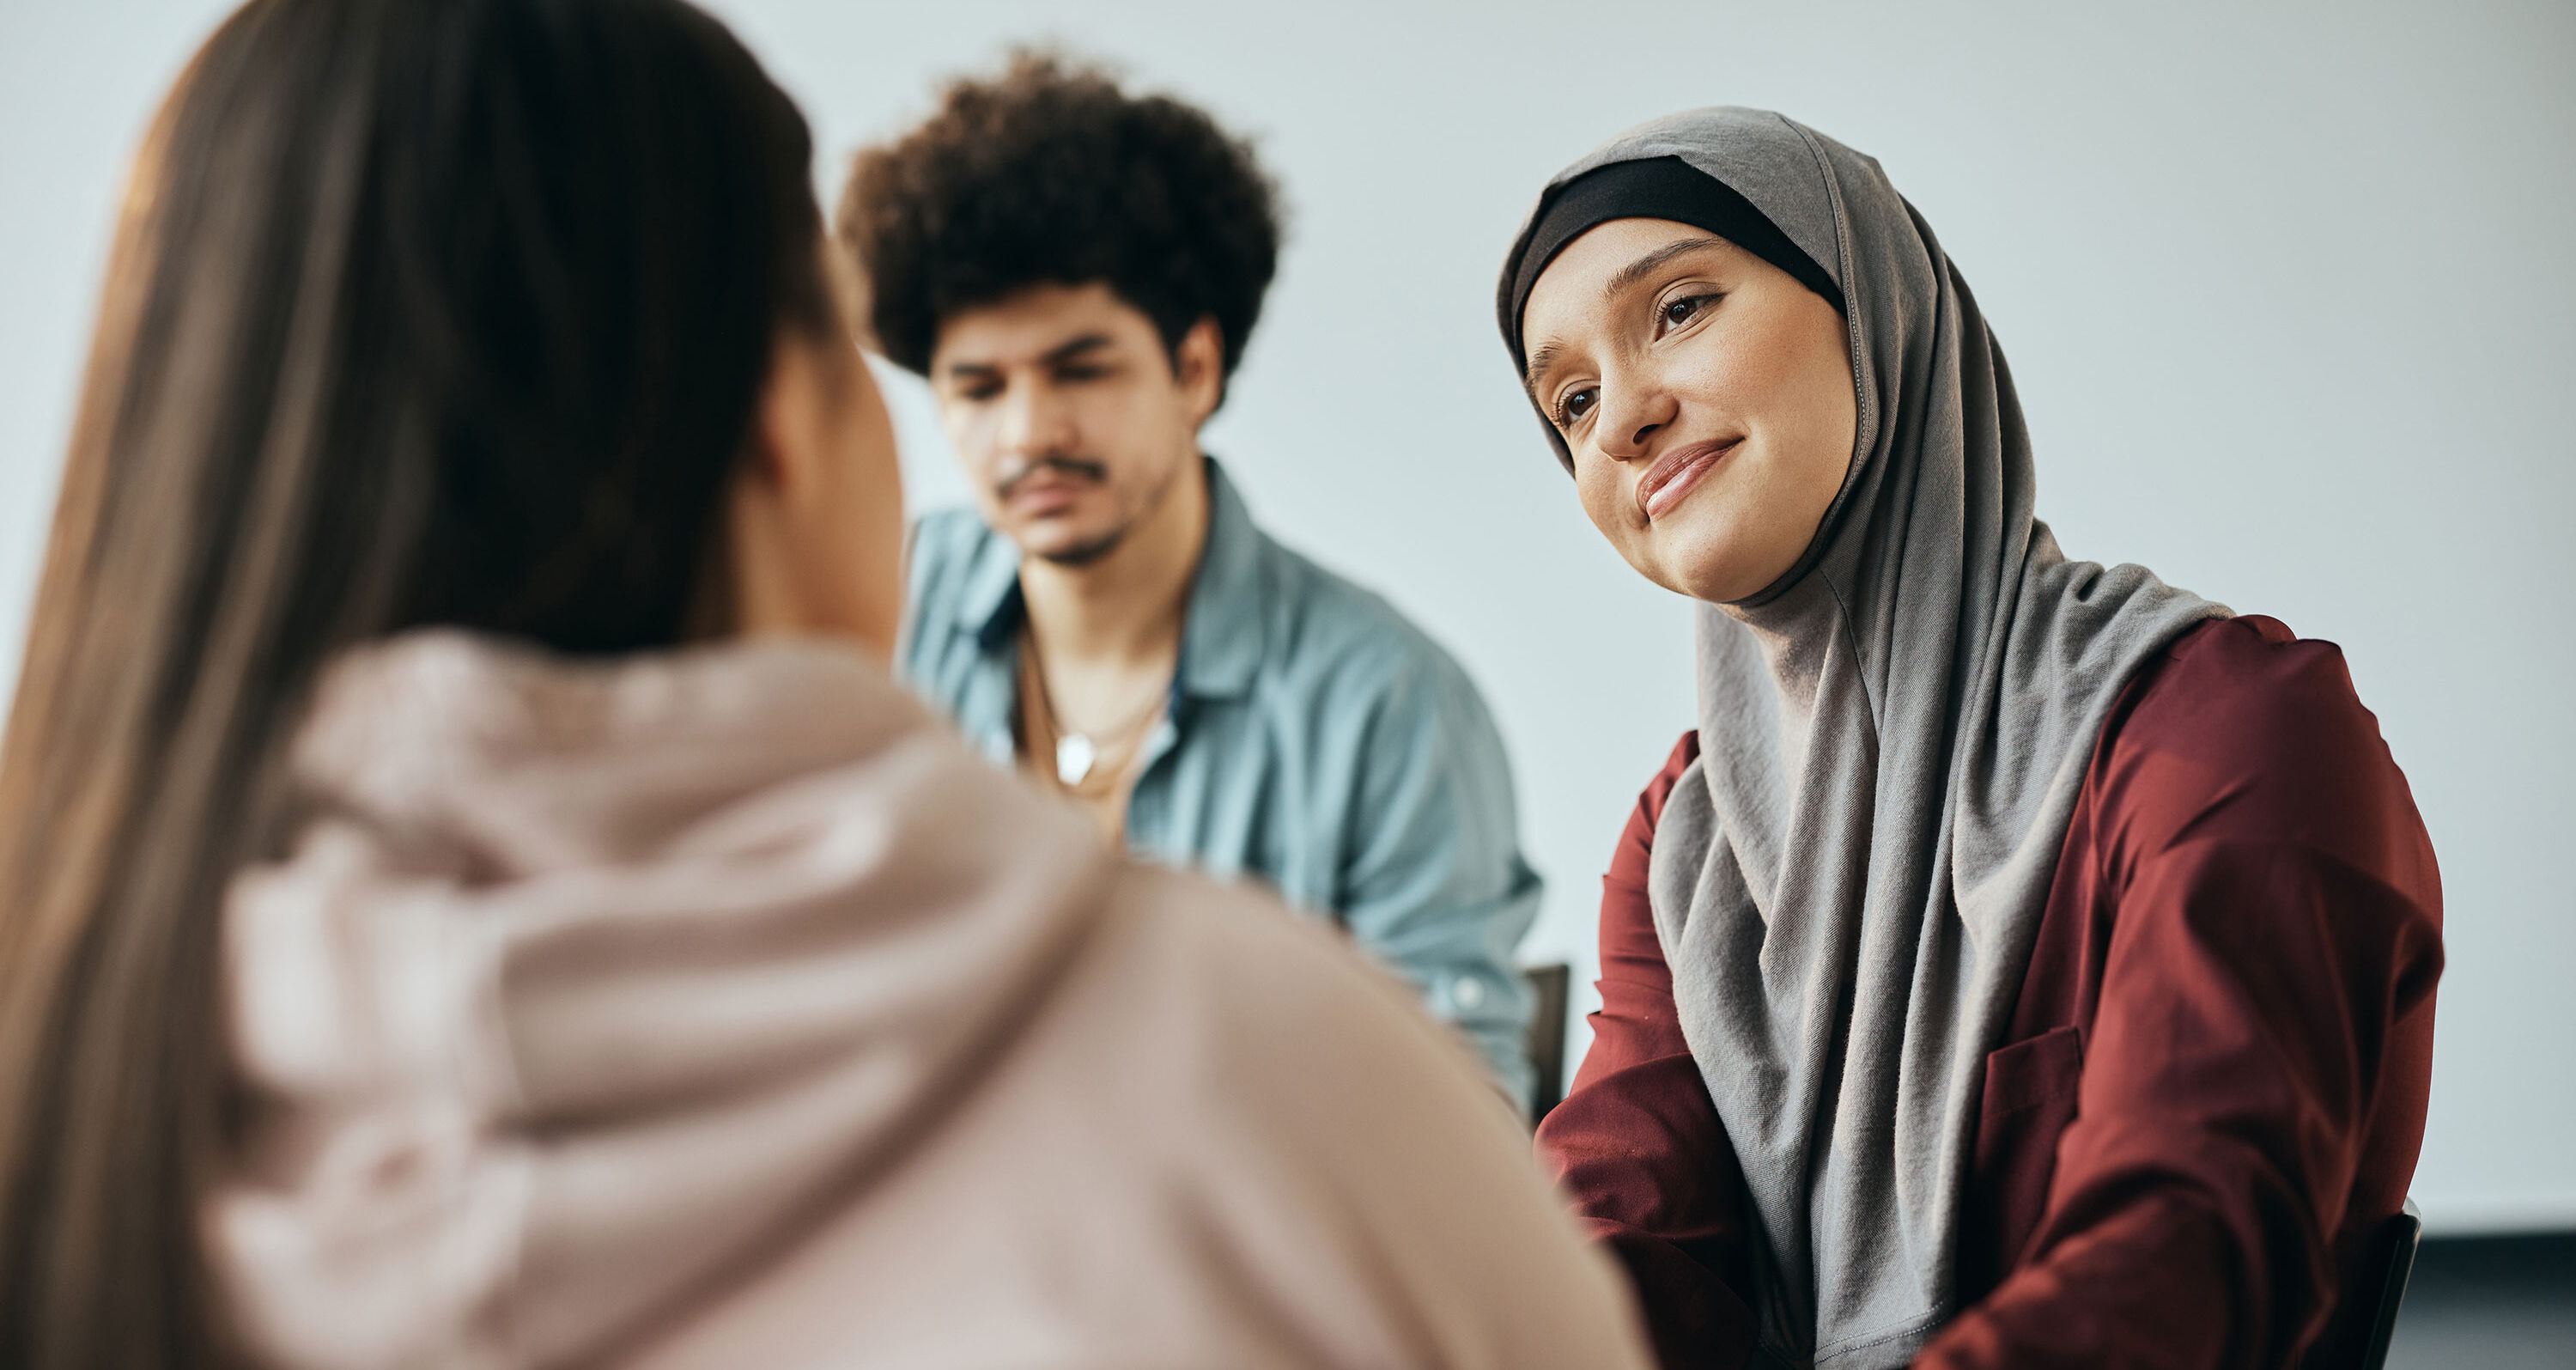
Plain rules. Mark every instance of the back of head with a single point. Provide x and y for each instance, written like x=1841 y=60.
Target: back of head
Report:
x=1049 y=174
x=421 y=312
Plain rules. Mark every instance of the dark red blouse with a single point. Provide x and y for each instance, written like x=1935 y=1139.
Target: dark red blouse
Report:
x=2213 y=1088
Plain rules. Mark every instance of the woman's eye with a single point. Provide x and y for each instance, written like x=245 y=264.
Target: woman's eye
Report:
x=1684 y=310
x=1577 y=405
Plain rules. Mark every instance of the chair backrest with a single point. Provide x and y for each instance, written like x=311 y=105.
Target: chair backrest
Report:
x=1548 y=988
x=2398 y=1239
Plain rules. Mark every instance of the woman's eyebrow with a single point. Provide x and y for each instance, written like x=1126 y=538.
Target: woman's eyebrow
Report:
x=1539 y=362
x=1625 y=277
x=1646 y=265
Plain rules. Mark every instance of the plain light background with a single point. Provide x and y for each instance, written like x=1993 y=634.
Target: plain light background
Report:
x=2287 y=290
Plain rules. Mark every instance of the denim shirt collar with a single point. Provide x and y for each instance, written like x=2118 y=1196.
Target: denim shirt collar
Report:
x=1221 y=641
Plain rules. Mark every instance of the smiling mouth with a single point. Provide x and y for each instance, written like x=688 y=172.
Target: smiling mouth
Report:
x=1677 y=472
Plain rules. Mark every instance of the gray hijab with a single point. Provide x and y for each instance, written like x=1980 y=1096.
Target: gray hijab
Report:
x=1848 y=881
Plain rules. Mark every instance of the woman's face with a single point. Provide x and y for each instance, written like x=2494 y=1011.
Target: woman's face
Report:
x=1706 y=396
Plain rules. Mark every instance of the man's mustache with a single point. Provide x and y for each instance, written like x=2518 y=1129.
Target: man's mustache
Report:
x=1079 y=468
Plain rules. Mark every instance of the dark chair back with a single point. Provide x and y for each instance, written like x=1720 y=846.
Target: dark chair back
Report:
x=1548 y=987
x=2398 y=1238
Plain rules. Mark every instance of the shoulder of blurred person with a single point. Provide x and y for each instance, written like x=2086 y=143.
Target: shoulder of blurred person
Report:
x=716 y=1009
x=1322 y=631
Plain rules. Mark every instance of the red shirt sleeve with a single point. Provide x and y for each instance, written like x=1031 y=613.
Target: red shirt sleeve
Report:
x=1637 y=1144
x=2256 y=1062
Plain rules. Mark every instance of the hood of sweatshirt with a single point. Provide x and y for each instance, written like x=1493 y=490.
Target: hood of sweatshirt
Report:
x=583 y=980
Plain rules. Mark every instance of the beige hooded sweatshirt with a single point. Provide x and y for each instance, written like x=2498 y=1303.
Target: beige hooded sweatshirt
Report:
x=721 y=1010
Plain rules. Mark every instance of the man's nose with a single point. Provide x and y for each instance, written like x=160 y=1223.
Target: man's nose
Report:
x=1034 y=421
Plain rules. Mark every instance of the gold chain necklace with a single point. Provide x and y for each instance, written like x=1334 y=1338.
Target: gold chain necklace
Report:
x=1078 y=751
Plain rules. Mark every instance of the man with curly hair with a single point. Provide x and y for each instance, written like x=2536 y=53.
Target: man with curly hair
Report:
x=1076 y=270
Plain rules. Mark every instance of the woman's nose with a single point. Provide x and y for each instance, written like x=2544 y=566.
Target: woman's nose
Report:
x=1630 y=418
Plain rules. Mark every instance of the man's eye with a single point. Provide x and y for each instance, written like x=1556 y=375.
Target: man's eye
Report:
x=1075 y=375
x=978 y=393
x=1577 y=405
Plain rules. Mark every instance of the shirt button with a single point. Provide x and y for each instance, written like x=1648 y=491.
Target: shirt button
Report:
x=1467 y=992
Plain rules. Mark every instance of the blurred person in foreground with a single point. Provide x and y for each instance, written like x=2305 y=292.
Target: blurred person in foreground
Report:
x=2024 y=963
x=472 y=894
x=1077 y=270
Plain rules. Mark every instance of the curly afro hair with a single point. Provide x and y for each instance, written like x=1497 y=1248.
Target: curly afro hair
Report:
x=1050 y=174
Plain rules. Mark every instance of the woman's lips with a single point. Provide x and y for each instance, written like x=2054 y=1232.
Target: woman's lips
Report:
x=1677 y=473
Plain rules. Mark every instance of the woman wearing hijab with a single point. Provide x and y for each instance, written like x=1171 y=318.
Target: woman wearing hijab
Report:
x=2023 y=962
x=471 y=894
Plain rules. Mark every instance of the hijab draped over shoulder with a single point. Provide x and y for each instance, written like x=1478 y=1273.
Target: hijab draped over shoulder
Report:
x=1848 y=881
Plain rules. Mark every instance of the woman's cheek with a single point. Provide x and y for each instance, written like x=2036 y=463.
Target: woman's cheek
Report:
x=1597 y=487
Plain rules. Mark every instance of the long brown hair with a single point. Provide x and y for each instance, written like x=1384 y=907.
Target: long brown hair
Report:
x=421 y=312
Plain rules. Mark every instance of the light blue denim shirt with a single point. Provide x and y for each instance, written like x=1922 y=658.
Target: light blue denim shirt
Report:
x=1315 y=741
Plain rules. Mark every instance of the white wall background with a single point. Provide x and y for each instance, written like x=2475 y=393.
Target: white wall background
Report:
x=2289 y=291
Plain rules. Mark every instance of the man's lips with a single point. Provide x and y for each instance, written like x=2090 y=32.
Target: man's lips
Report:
x=1044 y=493
x=1049 y=484
x=1674 y=473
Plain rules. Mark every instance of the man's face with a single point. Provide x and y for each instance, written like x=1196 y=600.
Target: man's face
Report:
x=1072 y=419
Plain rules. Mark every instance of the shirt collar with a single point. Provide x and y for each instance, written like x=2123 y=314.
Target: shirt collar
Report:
x=1222 y=640
x=990 y=602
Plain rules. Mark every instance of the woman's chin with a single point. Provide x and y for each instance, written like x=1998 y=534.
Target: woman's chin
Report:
x=1694 y=559
x=1709 y=551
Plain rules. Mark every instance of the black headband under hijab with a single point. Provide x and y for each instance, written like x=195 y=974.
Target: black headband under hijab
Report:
x=1648 y=188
